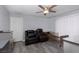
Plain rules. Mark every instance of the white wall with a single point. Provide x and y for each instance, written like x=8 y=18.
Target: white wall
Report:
x=51 y=24
x=4 y=19
x=33 y=22
x=68 y=25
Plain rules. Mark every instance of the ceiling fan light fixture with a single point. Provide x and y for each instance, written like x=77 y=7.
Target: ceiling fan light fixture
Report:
x=46 y=11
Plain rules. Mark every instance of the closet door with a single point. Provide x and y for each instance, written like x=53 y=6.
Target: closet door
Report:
x=17 y=28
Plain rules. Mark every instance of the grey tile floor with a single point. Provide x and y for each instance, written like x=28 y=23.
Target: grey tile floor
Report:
x=70 y=48
x=45 y=47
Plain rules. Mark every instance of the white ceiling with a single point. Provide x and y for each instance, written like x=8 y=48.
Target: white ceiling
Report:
x=32 y=9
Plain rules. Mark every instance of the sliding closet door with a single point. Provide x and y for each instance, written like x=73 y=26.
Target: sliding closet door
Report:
x=17 y=28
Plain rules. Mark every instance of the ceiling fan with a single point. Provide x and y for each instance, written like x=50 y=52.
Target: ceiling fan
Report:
x=46 y=9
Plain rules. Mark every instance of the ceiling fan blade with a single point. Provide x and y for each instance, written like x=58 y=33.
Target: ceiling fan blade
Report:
x=41 y=7
x=53 y=11
x=52 y=7
x=39 y=12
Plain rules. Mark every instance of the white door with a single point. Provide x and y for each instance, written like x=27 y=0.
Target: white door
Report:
x=17 y=28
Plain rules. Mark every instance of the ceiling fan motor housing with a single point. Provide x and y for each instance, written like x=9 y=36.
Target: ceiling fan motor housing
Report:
x=45 y=14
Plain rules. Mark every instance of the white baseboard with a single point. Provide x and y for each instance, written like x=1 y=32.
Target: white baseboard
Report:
x=20 y=40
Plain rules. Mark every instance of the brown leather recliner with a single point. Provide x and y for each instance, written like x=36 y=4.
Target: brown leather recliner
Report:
x=42 y=36
x=32 y=36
